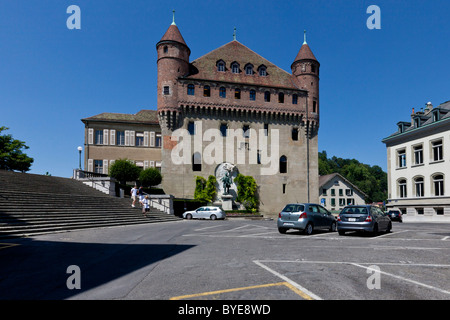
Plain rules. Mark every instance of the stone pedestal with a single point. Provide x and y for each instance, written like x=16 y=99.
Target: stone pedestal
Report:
x=227 y=202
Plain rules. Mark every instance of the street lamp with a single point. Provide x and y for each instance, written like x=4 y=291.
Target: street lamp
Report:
x=79 y=150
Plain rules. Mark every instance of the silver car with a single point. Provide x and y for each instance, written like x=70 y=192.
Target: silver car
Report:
x=363 y=218
x=305 y=217
x=208 y=212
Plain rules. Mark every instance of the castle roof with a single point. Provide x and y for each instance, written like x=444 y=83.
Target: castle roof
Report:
x=173 y=34
x=205 y=68
x=305 y=53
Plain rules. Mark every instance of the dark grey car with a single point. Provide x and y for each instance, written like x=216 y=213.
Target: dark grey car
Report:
x=363 y=218
x=305 y=217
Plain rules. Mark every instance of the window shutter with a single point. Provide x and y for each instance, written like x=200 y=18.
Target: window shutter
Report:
x=90 y=136
x=105 y=136
x=90 y=165
x=112 y=138
x=105 y=166
x=152 y=139
x=145 y=138
x=132 y=138
x=127 y=137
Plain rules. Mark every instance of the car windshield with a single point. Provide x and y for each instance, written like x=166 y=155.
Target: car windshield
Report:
x=294 y=208
x=355 y=210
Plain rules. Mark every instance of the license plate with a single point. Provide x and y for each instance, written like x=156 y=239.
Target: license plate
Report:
x=288 y=224
x=393 y=215
x=352 y=219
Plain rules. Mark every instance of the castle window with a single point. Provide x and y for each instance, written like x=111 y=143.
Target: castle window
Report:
x=190 y=90
x=166 y=90
x=252 y=95
x=262 y=71
x=295 y=134
x=249 y=69
x=267 y=96
x=166 y=49
x=314 y=106
x=206 y=91
x=223 y=92
x=237 y=93
x=235 y=67
x=191 y=128
x=313 y=68
x=246 y=131
x=283 y=164
x=281 y=97
x=294 y=99
x=196 y=162
x=221 y=66
x=223 y=129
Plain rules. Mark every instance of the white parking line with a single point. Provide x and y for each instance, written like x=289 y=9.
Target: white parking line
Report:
x=445 y=238
x=293 y=283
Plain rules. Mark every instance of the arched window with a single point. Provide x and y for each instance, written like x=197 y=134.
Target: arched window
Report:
x=402 y=192
x=267 y=96
x=235 y=67
x=294 y=99
x=237 y=93
x=221 y=66
x=249 y=69
x=283 y=164
x=419 y=186
x=252 y=95
x=223 y=92
x=206 y=91
x=196 y=162
x=438 y=185
x=190 y=90
x=262 y=70
x=281 y=97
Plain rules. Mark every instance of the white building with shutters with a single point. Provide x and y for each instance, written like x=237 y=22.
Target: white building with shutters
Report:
x=418 y=157
x=112 y=136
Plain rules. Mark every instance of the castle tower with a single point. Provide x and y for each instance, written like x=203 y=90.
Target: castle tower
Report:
x=305 y=69
x=173 y=62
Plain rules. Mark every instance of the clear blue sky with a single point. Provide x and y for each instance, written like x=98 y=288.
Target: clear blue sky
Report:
x=51 y=77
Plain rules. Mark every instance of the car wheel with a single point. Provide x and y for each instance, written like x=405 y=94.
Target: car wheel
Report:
x=189 y=216
x=389 y=228
x=333 y=227
x=375 y=230
x=309 y=229
x=213 y=217
x=341 y=232
x=282 y=230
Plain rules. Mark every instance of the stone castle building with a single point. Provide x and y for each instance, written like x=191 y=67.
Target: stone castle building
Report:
x=222 y=108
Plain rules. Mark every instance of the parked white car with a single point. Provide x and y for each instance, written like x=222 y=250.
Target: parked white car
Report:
x=208 y=212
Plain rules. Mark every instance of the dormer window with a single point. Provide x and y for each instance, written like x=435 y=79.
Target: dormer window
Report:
x=262 y=71
x=249 y=69
x=221 y=66
x=417 y=122
x=235 y=67
x=436 y=116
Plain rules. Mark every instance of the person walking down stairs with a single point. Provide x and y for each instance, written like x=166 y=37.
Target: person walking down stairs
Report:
x=134 y=192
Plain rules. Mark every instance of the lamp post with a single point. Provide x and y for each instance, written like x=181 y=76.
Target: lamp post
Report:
x=79 y=151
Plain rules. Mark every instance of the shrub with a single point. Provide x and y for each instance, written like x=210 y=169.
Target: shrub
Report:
x=150 y=177
x=205 y=190
x=247 y=188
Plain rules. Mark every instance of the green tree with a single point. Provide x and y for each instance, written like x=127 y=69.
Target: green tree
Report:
x=247 y=191
x=12 y=157
x=124 y=170
x=205 y=190
x=150 y=177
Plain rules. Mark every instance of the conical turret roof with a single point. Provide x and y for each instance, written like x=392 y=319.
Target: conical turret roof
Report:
x=173 y=34
x=305 y=53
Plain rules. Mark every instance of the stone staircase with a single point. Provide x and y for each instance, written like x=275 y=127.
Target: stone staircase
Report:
x=33 y=204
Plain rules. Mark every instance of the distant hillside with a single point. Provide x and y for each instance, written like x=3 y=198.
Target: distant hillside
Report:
x=372 y=180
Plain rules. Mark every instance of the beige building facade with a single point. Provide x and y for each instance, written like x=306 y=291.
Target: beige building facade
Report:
x=418 y=157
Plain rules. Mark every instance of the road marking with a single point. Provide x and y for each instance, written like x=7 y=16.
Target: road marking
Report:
x=405 y=279
x=305 y=293
x=207 y=228
x=445 y=238
x=389 y=234
x=8 y=245
x=196 y=295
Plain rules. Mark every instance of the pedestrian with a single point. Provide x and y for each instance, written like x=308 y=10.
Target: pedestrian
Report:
x=141 y=194
x=134 y=192
x=145 y=204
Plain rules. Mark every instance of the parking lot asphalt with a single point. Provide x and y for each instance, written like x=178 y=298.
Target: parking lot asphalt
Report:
x=234 y=259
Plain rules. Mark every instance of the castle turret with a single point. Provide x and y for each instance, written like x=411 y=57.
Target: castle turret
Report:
x=173 y=62
x=305 y=69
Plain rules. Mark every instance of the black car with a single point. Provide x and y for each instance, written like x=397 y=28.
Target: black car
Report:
x=395 y=215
